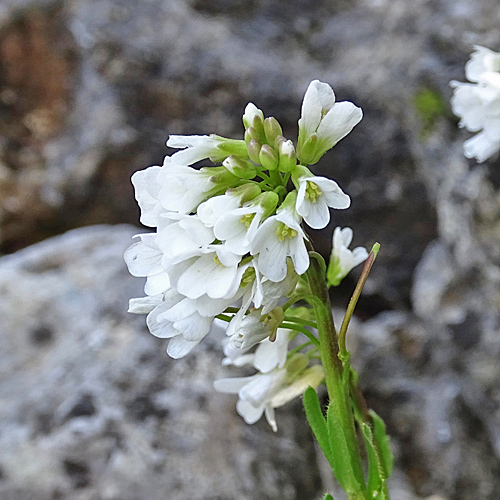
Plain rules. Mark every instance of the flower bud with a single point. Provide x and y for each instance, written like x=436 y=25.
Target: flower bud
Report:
x=251 y=111
x=268 y=201
x=272 y=129
x=253 y=149
x=268 y=157
x=287 y=156
x=307 y=153
x=240 y=168
x=245 y=193
x=231 y=147
x=258 y=126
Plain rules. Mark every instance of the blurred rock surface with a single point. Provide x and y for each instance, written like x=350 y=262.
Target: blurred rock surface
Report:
x=89 y=91
x=91 y=406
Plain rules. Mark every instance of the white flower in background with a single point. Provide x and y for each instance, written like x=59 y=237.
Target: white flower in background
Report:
x=342 y=259
x=478 y=104
x=279 y=237
x=323 y=122
x=198 y=147
x=264 y=392
x=315 y=195
x=144 y=259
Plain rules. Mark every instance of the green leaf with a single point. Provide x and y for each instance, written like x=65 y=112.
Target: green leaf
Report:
x=380 y=459
x=382 y=439
x=317 y=422
x=342 y=466
x=328 y=497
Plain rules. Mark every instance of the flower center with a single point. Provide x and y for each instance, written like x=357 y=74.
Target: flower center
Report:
x=284 y=231
x=313 y=192
x=247 y=219
x=217 y=260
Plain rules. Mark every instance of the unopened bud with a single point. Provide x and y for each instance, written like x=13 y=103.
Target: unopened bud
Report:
x=253 y=148
x=239 y=167
x=287 y=156
x=272 y=129
x=268 y=157
x=251 y=111
x=307 y=153
x=268 y=201
x=232 y=147
x=258 y=126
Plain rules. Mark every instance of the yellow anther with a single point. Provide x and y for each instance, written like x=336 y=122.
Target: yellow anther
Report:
x=247 y=219
x=283 y=231
x=313 y=192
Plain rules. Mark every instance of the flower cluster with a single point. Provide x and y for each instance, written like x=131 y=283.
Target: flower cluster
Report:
x=229 y=245
x=478 y=103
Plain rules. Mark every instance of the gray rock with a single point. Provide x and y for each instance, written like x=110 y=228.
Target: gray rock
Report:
x=92 y=407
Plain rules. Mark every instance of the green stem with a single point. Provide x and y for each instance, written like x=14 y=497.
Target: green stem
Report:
x=301 y=321
x=301 y=329
x=338 y=393
x=344 y=354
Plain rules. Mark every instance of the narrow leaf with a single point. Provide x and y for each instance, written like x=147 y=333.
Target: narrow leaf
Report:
x=380 y=436
x=342 y=458
x=317 y=422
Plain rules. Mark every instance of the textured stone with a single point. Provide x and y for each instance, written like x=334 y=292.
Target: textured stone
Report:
x=92 y=407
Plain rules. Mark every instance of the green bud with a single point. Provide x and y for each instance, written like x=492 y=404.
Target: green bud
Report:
x=268 y=157
x=258 y=126
x=268 y=201
x=247 y=192
x=272 y=129
x=239 y=167
x=308 y=152
x=287 y=156
x=253 y=149
x=300 y=171
x=251 y=111
x=248 y=136
x=289 y=202
x=252 y=134
x=231 y=147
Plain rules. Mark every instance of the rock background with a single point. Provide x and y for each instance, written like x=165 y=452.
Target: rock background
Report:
x=89 y=91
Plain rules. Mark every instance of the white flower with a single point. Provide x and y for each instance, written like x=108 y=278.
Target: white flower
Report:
x=214 y=272
x=481 y=61
x=315 y=195
x=147 y=192
x=182 y=236
x=478 y=104
x=262 y=393
x=342 y=259
x=212 y=210
x=199 y=147
x=323 y=122
x=246 y=330
x=279 y=237
x=144 y=259
x=268 y=293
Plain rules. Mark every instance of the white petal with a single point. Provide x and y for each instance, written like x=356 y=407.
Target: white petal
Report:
x=231 y=385
x=480 y=147
x=271 y=417
x=300 y=256
x=157 y=283
x=178 y=347
x=143 y=259
x=144 y=305
x=338 y=122
x=250 y=413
